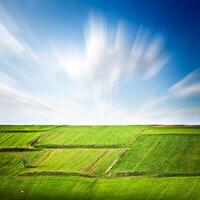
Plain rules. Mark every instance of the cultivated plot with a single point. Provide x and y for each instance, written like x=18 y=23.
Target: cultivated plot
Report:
x=90 y=136
x=163 y=154
x=11 y=163
x=158 y=130
x=83 y=161
x=17 y=140
x=78 y=188
x=57 y=172
x=24 y=128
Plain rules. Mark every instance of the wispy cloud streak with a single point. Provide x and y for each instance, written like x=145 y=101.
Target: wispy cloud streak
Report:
x=187 y=87
x=111 y=55
x=12 y=42
x=81 y=84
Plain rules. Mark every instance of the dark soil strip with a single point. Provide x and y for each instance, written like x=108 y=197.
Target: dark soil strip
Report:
x=175 y=126
x=55 y=146
x=17 y=149
x=170 y=134
x=56 y=174
x=178 y=174
x=146 y=174
x=21 y=131
x=119 y=175
x=90 y=146
x=29 y=131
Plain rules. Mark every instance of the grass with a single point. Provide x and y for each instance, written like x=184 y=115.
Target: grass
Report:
x=91 y=135
x=83 y=161
x=163 y=154
x=172 y=130
x=16 y=128
x=101 y=155
x=17 y=140
x=11 y=162
x=77 y=188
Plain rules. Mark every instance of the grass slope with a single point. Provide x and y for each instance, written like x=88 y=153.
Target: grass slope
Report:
x=11 y=162
x=99 y=151
x=16 y=128
x=172 y=130
x=17 y=140
x=83 y=161
x=76 y=188
x=163 y=154
x=91 y=135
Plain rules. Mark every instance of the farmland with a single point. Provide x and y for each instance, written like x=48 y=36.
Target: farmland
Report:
x=83 y=161
x=100 y=162
x=162 y=154
x=11 y=162
x=91 y=136
x=17 y=140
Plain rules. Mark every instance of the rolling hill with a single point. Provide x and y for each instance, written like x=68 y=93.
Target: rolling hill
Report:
x=100 y=162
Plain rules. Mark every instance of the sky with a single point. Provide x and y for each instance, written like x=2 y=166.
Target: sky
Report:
x=99 y=62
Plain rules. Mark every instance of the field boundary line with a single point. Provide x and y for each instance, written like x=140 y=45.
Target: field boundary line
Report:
x=119 y=175
x=56 y=173
x=156 y=175
x=137 y=137
x=173 y=134
x=93 y=164
x=28 y=131
x=16 y=149
x=22 y=131
x=175 y=126
x=90 y=146
x=115 y=161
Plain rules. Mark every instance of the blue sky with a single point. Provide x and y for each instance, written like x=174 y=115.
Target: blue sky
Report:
x=99 y=62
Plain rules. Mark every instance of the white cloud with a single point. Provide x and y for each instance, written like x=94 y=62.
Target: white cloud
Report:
x=187 y=87
x=12 y=42
x=95 y=70
x=111 y=55
x=12 y=97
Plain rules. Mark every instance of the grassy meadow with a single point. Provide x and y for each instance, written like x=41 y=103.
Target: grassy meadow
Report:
x=11 y=163
x=91 y=136
x=83 y=161
x=17 y=139
x=162 y=154
x=100 y=162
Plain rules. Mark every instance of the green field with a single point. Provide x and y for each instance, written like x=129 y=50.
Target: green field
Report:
x=75 y=188
x=83 y=161
x=11 y=162
x=17 y=140
x=100 y=162
x=162 y=154
x=172 y=129
x=91 y=136
x=18 y=128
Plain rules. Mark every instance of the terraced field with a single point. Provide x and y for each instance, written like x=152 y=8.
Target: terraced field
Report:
x=25 y=128
x=80 y=161
x=91 y=136
x=168 y=154
x=11 y=163
x=100 y=162
x=17 y=139
x=172 y=130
